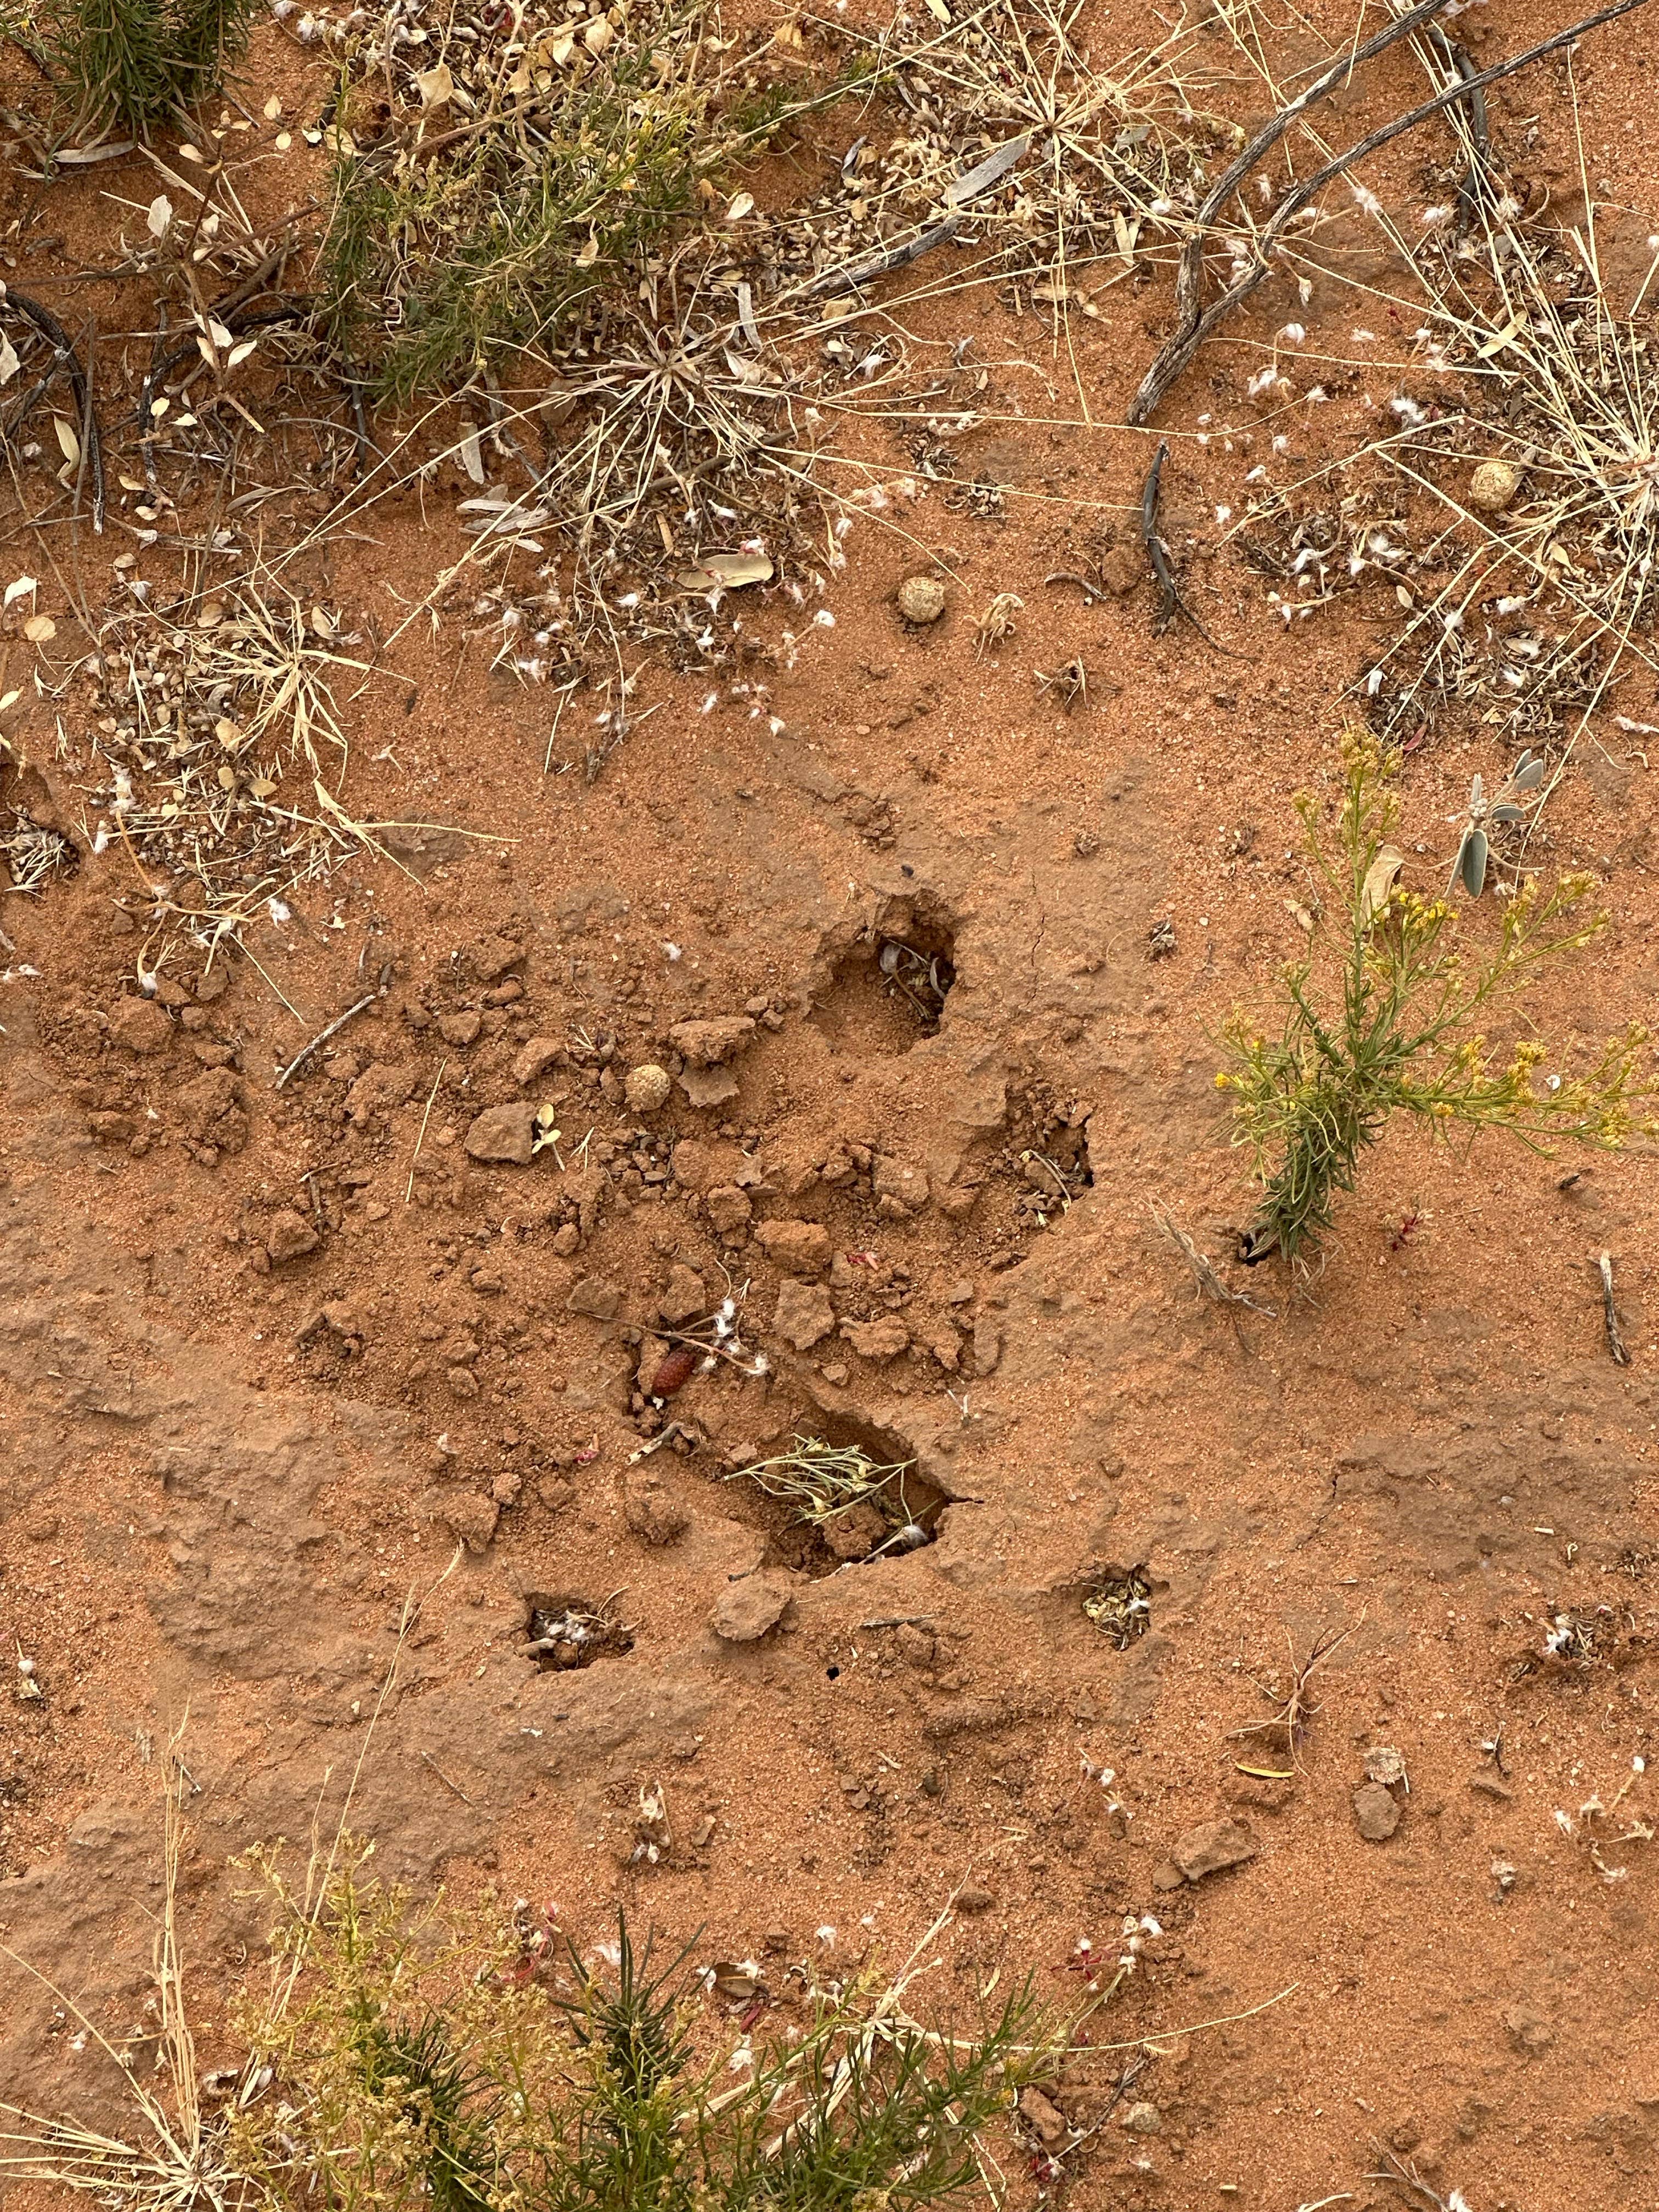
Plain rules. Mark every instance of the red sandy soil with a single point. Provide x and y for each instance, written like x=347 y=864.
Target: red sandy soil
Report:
x=220 y=1478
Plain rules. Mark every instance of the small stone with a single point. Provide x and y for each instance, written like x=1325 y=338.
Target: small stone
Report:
x=111 y=1128
x=290 y=1236
x=804 y=1313
x=1385 y=1765
x=835 y=1372
x=1486 y=1783
x=1493 y=485
x=921 y=598
x=1041 y=2115
x=647 y=1088
x=707 y=1044
x=567 y=1240
x=1376 y=1812
x=972 y=1899
x=491 y=958
x=536 y=1057
x=504 y=1134
x=1143 y=2119
x=746 y=1609
x=728 y=1209
x=1166 y=1875
x=799 y=1248
x=988 y=1346
x=683 y=1297
x=650 y=1510
x=1212 y=1847
x=139 y=1025
x=884 y=1338
x=961 y=1291
x=595 y=1298
x=460 y=1029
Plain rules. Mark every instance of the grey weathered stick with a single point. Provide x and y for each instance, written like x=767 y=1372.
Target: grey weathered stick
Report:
x=1616 y=1343
x=322 y=1036
x=1178 y=350
x=881 y=264
x=1189 y=276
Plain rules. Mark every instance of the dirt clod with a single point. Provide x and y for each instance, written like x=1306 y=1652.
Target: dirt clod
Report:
x=1376 y=1812
x=290 y=1236
x=1212 y=1847
x=650 y=1510
x=804 y=1313
x=746 y=1610
x=504 y=1134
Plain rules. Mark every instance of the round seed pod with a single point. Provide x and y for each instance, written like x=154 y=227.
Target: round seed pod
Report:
x=674 y=1372
x=921 y=598
x=647 y=1088
x=1493 y=485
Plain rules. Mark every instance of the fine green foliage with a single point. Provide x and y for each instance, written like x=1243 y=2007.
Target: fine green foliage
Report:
x=465 y=242
x=126 y=65
x=1381 y=1016
x=436 y=2060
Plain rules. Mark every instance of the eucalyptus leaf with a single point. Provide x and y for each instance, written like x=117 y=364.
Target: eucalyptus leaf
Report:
x=1528 y=773
x=1507 y=813
x=1472 y=863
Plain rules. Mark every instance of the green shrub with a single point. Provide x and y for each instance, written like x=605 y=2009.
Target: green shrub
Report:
x=126 y=65
x=1380 y=1016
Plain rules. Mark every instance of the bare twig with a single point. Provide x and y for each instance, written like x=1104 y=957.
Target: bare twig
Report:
x=333 y=1030
x=67 y=360
x=1211 y=1283
x=1402 y=2172
x=1616 y=1343
x=1174 y=356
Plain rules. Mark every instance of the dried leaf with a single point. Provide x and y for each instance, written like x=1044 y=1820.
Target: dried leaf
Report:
x=589 y=254
x=436 y=86
x=743 y=204
x=240 y=352
x=726 y=571
x=272 y=109
x=38 y=628
x=734 y=1983
x=160 y=215
x=1380 y=879
x=68 y=439
x=1299 y=915
x=472 y=454
x=20 y=588
x=8 y=359
x=597 y=35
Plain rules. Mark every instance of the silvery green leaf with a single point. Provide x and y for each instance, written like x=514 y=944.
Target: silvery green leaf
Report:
x=1528 y=773
x=1507 y=813
x=1477 y=792
x=1473 y=863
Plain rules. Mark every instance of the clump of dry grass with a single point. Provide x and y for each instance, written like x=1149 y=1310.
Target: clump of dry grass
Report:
x=820 y=1481
x=219 y=749
x=396 y=2056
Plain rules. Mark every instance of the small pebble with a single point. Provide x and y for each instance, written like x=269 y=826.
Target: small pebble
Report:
x=921 y=598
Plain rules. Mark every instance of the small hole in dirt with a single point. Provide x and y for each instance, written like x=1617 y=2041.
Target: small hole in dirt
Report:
x=833 y=1672
x=1118 y=1602
x=888 y=992
x=838 y=1493
x=564 y=1630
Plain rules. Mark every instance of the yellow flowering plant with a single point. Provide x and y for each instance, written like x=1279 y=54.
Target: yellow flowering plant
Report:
x=1382 y=1016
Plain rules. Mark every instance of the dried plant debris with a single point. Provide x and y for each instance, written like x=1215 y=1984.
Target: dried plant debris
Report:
x=859 y=1506
x=214 y=742
x=563 y=1631
x=669 y=390
x=1512 y=507
x=33 y=854
x=1119 y=1603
